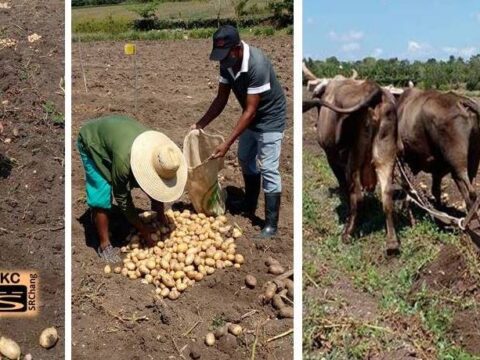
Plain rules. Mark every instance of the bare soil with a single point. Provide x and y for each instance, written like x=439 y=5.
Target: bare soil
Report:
x=32 y=163
x=113 y=315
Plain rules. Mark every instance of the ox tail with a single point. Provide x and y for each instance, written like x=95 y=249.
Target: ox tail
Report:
x=349 y=110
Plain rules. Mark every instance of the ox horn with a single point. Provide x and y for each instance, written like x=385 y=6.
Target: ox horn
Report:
x=308 y=74
x=307 y=105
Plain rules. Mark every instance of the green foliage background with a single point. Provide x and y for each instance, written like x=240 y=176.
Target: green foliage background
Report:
x=454 y=73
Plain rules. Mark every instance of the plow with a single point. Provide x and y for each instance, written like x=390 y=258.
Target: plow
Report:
x=469 y=224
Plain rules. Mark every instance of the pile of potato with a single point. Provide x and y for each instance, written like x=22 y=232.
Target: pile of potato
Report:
x=189 y=248
x=279 y=292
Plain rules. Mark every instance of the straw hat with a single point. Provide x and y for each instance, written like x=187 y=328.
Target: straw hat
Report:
x=158 y=166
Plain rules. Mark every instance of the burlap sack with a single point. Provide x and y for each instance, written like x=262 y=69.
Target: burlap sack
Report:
x=203 y=187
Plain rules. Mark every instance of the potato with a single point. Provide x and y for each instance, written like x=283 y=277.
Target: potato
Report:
x=164 y=292
x=235 y=329
x=187 y=268
x=239 y=259
x=182 y=247
x=277 y=302
x=286 y=312
x=181 y=287
x=221 y=331
x=271 y=261
x=124 y=272
x=107 y=269
x=149 y=278
x=164 y=264
x=210 y=339
x=130 y=266
x=276 y=269
x=117 y=270
x=9 y=348
x=174 y=294
x=270 y=291
x=143 y=270
x=250 y=281
x=210 y=270
x=151 y=264
x=209 y=262
x=236 y=233
x=48 y=338
x=178 y=275
x=189 y=259
x=141 y=256
x=168 y=281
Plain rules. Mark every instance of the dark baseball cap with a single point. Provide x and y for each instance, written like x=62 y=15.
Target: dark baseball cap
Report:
x=225 y=38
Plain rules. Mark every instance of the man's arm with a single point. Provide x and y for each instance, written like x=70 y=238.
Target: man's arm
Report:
x=159 y=208
x=251 y=106
x=123 y=197
x=216 y=107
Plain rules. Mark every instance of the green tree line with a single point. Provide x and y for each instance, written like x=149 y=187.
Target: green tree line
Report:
x=454 y=73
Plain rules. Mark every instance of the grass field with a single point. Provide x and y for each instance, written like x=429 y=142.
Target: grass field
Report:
x=195 y=9
x=358 y=304
x=115 y=22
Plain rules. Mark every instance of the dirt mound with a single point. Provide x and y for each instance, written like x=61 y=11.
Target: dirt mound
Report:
x=32 y=163
x=466 y=330
x=448 y=270
x=177 y=82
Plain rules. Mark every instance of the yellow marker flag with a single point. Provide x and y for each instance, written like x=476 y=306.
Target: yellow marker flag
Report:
x=130 y=49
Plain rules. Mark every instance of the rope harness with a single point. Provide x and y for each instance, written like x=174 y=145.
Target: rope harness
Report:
x=420 y=199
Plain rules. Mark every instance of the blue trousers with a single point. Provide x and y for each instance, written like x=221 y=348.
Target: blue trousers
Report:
x=263 y=148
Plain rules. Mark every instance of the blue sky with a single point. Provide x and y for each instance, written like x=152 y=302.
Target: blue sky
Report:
x=407 y=29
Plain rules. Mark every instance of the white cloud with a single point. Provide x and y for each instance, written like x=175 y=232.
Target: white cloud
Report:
x=466 y=52
x=349 y=47
x=477 y=16
x=350 y=36
x=377 y=52
x=414 y=46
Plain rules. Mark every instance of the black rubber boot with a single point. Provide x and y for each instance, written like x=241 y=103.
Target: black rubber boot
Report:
x=272 y=209
x=248 y=204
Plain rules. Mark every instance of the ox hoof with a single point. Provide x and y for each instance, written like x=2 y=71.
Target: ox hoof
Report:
x=393 y=248
x=347 y=239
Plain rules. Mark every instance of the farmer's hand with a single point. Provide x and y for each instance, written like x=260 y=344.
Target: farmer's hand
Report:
x=221 y=150
x=146 y=235
x=196 y=126
x=162 y=218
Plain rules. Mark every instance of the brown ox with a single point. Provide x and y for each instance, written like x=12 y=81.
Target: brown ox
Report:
x=357 y=129
x=440 y=135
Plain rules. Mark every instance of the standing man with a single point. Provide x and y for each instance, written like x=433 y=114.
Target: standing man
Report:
x=249 y=73
x=118 y=154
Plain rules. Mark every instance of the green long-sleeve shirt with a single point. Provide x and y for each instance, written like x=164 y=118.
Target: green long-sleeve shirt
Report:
x=108 y=141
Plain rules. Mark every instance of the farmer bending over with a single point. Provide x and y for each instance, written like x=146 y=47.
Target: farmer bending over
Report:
x=118 y=154
x=249 y=73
